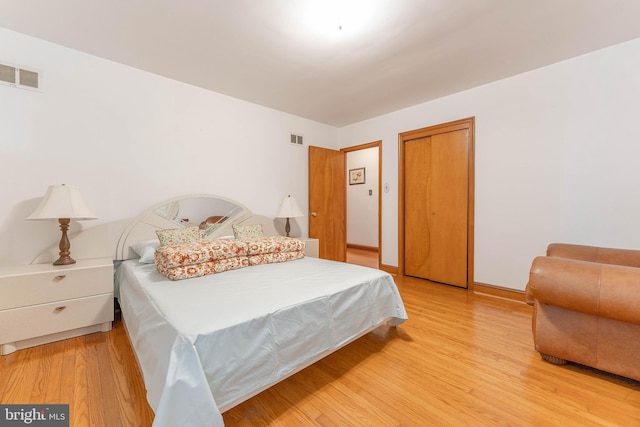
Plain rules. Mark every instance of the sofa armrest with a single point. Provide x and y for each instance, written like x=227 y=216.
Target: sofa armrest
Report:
x=613 y=256
x=604 y=290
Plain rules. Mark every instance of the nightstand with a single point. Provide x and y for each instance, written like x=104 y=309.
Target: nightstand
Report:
x=42 y=303
x=311 y=247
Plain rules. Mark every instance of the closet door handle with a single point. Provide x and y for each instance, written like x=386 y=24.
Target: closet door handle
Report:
x=313 y=214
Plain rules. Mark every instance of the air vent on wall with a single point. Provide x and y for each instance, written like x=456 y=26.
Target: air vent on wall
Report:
x=28 y=78
x=19 y=77
x=7 y=74
x=296 y=139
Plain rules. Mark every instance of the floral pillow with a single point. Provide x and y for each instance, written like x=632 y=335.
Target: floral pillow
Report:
x=208 y=229
x=248 y=231
x=178 y=236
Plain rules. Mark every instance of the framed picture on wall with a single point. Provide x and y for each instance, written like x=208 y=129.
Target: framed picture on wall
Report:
x=356 y=176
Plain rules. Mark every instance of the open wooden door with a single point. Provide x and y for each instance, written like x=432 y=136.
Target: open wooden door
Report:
x=328 y=202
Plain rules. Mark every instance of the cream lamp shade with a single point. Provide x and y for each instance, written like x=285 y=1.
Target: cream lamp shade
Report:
x=289 y=209
x=64 y=203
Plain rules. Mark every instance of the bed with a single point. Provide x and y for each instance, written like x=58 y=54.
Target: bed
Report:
x=206 y=344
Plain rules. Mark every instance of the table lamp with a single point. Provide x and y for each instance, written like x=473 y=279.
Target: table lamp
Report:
x=289 y=209
x=64 y=203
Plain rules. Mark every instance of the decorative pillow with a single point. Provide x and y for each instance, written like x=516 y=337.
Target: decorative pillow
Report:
x=202 y=269
x=208 y=229
x=248 y=231
x=271 y=258
x=146 y=250
x=199 y=252
x=178 y=236
x=273 y=244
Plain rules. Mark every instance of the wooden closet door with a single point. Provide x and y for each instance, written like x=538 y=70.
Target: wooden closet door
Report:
x=436 y=207
x=417 y=207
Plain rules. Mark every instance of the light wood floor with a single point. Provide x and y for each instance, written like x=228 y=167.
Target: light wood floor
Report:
x=362 y=257
x=460 y=360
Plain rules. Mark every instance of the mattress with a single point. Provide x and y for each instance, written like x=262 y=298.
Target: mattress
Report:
x=207 y=344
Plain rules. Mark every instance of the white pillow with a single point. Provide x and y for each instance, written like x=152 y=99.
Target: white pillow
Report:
x=146 y=250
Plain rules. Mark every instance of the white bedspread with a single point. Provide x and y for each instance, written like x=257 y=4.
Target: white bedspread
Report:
x=207 y=344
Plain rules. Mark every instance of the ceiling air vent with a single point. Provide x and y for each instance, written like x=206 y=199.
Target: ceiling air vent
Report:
x=19 y=77
x=296 y=139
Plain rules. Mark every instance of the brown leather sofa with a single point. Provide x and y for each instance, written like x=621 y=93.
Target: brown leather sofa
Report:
x=587 y=307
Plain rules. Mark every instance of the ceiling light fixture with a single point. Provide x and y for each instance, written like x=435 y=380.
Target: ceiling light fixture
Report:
x=338 y=18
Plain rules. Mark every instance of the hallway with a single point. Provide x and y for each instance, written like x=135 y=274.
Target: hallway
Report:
x=362 y=257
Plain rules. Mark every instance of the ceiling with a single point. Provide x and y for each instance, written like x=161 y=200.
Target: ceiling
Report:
x=333 y=61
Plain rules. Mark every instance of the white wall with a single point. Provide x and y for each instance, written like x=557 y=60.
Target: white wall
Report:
x=362 y=208
x=557 y=160
x=130 y=139
x=556 y=151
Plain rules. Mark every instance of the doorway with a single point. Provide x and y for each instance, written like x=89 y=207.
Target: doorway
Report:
x=328 y=181
x=363 y=203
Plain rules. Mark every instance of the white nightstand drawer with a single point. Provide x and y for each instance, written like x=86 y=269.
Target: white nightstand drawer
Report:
x=44 y=319
x=54 y=284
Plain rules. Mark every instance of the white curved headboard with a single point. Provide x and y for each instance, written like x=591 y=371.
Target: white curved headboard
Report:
x=194 y=208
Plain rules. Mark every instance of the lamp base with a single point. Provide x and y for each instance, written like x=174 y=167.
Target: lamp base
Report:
x=64 y=260
x=287 y=227
x=65 y=245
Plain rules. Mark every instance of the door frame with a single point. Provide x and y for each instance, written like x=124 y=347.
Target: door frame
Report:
x=363 y=147
x=468 y=123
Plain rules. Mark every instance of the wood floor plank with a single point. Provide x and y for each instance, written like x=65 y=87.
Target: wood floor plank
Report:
x=129 y=389
x=79 y=406
x=55 y=352
x=42 y=373
x=19 y=380
x=68 y=375
x=461 y=359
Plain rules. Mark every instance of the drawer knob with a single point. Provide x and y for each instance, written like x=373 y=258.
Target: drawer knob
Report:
x=60 y=277
x=60 y=309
